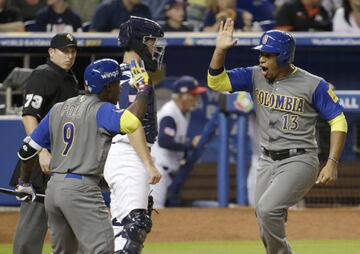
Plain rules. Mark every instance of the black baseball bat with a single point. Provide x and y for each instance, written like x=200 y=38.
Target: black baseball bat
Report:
x=21 y=194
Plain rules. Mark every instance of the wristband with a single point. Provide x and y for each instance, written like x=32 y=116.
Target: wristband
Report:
x=144 y=88
x=22 y=183
x=333 y=159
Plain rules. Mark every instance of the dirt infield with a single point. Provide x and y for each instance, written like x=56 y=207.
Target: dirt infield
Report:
x=200 y=224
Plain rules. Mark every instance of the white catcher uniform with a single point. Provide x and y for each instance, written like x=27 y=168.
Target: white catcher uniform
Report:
x=168 y=161
x=124 y=171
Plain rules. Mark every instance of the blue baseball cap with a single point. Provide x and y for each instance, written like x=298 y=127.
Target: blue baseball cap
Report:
x=188 y=84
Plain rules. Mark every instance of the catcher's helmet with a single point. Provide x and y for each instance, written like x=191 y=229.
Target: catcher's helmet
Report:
x=280 y=43
x=100 y=73
x=134 y=34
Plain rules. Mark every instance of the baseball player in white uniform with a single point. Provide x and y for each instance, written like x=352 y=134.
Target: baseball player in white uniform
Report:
x=129 y=168
x=172 y=142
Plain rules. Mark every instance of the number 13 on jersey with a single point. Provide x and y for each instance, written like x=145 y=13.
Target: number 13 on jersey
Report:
x=290 y=122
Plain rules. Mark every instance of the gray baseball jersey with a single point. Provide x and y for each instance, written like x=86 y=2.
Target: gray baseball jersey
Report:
x=79 y=146
x=286 y=111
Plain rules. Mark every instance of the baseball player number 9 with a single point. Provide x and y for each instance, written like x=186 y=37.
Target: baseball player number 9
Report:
x=68 y=137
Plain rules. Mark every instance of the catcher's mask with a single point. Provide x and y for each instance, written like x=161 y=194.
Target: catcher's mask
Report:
x=135 y=34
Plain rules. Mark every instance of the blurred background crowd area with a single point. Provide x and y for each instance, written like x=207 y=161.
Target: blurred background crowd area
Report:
x=180 y=15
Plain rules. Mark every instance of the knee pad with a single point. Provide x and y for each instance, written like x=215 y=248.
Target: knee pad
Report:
x=136 y=227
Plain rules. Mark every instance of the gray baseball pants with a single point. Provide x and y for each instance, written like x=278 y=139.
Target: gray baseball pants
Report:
x=31 y=229
x=280 y=185
x=77 y=215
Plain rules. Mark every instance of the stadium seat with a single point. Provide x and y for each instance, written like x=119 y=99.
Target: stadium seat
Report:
x=30 y=26
x=267 y=25
x=86 y=26
x=14 y=85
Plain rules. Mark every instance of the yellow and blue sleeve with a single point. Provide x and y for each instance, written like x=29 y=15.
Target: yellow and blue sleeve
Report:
x=129 y=122
x=116 y=121
x=326 y=102
x=238 y=79
x=339 y=123
x=220 y=82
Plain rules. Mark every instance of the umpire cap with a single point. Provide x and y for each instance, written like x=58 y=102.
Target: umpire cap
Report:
x=63 y=40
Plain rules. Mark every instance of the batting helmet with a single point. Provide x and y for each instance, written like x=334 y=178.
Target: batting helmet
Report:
x=134 y=34
x=100 y=73
x=280 y=43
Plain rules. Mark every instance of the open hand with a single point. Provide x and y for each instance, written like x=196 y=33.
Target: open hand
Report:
x=225 y=38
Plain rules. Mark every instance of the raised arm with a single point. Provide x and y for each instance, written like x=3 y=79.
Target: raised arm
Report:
x=218 y=79
x=224 y=41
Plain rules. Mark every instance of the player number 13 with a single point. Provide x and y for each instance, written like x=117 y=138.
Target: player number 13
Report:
x=290 y=122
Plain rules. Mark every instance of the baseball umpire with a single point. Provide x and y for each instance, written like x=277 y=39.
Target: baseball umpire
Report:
x=79 y=132
x=288 y=101
x=129 y=167
x=48 y=84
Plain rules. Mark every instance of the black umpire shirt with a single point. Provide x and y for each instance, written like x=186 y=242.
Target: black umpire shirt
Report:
x=47 y=85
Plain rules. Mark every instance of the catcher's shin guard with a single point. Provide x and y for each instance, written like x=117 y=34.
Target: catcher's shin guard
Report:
x=136 y=226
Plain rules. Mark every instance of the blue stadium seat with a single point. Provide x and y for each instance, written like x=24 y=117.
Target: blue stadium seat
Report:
x=267 y=25
x=86 y=26
x=30 y=26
